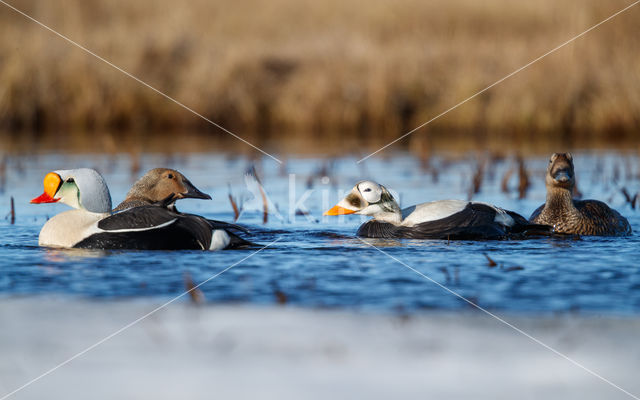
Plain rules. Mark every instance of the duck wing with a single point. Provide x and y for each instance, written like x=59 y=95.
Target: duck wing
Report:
x=476 y=221
x=378 y=229
x=235 y=242
x=600 y=219
x=169 y=203
x=238 y=243
x=150 y=228
x=522 y=226
x=226 y=225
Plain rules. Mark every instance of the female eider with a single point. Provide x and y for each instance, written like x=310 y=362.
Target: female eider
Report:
x=91 y=224
x=156 y=185
x=444 y=219
x=579 y=217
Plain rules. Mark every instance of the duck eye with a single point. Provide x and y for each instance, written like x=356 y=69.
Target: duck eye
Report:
x=170 y=176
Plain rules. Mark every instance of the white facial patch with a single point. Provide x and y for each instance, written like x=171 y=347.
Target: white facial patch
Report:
x=68 y=194
x=370 y=191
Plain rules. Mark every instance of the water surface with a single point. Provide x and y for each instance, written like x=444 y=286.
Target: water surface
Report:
x=317 y=261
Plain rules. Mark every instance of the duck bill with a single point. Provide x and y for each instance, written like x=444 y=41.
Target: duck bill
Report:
x=562 y=176
x=51 y=183
x=194 y=193
x=44 y=198
x=337 y=210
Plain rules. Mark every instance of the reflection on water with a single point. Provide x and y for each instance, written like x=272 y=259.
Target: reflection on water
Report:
x=318 y=262
x=385 y=242
x=60 y=255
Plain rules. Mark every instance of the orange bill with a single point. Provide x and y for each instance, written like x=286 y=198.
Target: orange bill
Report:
x=51 y=185
x=337 y=210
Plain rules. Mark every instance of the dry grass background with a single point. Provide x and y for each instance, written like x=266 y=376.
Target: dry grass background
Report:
x=335 y=69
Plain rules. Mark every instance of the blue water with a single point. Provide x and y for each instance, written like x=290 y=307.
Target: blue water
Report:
x=317 y=261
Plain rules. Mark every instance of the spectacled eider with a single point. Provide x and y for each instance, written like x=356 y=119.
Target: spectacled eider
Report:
x=578 y=217
x=444 y=219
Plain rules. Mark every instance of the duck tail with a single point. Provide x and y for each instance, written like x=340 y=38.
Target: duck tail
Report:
x=524 y=227
x=238 y=243
x=226 y=225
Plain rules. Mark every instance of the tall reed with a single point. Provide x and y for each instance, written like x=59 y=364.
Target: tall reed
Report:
x=365 y=70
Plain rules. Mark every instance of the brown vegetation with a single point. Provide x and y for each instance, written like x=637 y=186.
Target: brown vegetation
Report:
x=372 y=70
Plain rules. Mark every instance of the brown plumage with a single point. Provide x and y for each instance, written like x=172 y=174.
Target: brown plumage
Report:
x=156 y=185
x=566 y=215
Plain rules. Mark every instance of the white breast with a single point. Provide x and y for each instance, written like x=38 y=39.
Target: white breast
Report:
x=68 y=228
x=431 y=211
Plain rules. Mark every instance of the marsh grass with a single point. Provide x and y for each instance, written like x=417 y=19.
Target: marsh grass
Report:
x=344 y=71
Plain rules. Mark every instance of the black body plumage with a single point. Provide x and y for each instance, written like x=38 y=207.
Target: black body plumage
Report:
x=475 y=221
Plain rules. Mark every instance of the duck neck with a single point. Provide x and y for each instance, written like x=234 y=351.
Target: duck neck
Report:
x=559 y=199
x=389 y=212
x=138 y=199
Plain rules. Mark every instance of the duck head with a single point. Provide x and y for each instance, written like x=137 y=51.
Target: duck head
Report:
x=560 y=172
x=82 y=188
x=159 y=183
x=368 y=198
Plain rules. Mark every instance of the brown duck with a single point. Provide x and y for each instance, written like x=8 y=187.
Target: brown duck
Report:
x=580 y=217
x=156 y=185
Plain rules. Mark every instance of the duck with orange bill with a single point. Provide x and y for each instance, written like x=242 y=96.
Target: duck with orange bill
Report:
x=91 y=223
x=443 y=219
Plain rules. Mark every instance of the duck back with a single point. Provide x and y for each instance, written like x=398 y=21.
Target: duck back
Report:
x=586 y=217
x=150 y=228
x=476 y=221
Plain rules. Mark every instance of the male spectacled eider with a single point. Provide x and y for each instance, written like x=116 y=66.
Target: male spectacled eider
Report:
x=579 y=217
x=91 y=224
x=444 y=219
